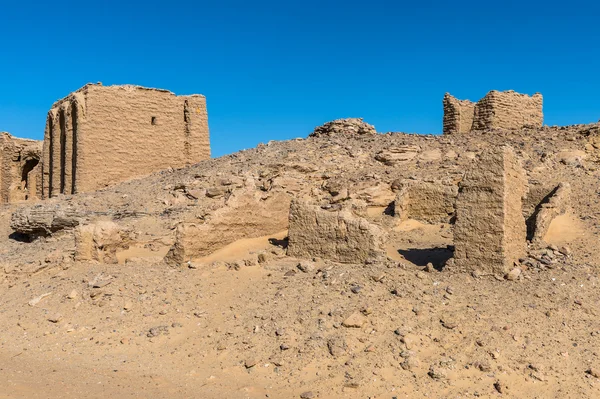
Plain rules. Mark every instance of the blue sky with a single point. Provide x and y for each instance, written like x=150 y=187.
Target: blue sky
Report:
x=274 y=70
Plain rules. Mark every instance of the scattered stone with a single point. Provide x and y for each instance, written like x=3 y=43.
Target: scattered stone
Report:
x=499 y=387
x=594 y=372
x=356 y=320
x=395 y=155
x=214 y=192
x=337 y=346
x=437 y=373
x=514 y=274
x=448 y=323
x=156 y=331
x=306 y=267
x=565 y=251
x=37 y=299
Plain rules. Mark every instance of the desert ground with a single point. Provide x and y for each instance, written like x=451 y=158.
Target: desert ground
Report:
x=243 y=319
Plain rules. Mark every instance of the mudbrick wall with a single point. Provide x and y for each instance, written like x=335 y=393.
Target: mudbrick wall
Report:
x=458 y=115
x=102 y=135
x=498 y=109
x=20 y=172
x=490 y=232
x=508 y=110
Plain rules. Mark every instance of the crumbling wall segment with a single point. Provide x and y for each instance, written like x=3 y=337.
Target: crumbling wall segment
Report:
x=490 y=232
x=336 y=235
x=458 y=115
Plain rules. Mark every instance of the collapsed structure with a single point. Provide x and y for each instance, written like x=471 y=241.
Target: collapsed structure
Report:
x=20 y=172
x=102 y=135
x=506 y=110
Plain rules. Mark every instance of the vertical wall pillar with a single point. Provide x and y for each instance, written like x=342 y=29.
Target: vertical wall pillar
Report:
x=55 y=151
x=67 y=151
x=46 y=160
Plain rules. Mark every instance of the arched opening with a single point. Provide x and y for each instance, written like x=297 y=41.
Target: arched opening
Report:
x=29 y=165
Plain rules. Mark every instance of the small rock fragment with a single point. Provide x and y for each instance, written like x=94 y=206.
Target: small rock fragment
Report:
x=513 y=274
x=356 y=320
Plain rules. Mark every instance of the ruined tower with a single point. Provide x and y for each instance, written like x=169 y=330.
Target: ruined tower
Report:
x=20 y=171
x=100 y=135
x=497 y=110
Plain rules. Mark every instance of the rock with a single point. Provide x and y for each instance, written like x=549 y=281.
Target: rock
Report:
x=156 y=331
x=355 y=289
x=214 y=192
x=249 y=363
x=344 y=126
x=514 y=274
x=449 y=323
x=45 y=219
x=410 y=363
x=499 y=387
x=263 y=257
x=356 y=320
x=429 y=268
x=307 y=395
x=571 y=157
x=395 y=155
x=437 y=373
x=337 y=346
x=37 y=299
x=594 y=372
x=73 y=294
x=306 y=267
x=55 y=318
x=565 y=250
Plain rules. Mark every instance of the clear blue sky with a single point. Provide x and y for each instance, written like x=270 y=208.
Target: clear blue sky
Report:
x=276 y=69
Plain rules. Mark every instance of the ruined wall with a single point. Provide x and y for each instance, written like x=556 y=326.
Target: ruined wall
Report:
x=458 y=115
x=102 y=135
x=508 y=110
x=20 y=173
x=490 y=232
x=246 y=214
x=431 y=202
x=498 y=109
x=557 y=203
x=340 y=236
